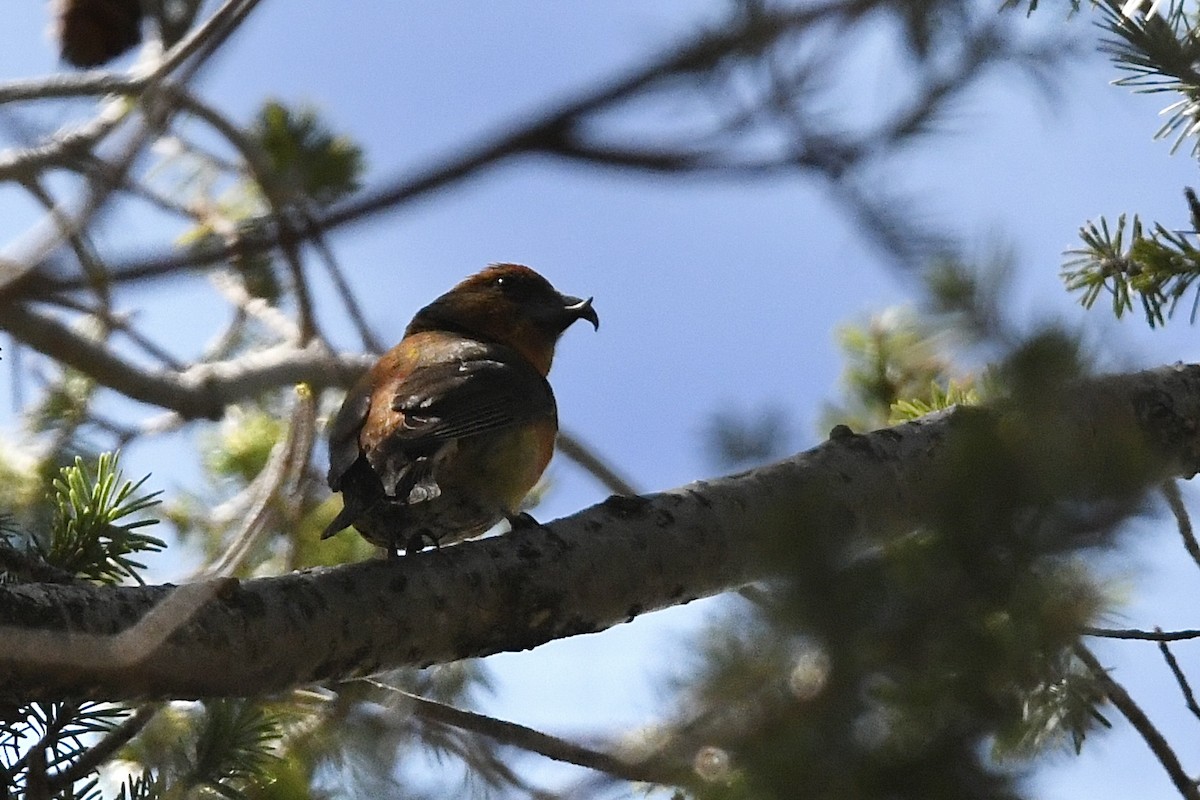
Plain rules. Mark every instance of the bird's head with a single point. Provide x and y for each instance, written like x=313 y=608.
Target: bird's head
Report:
x=511 y=305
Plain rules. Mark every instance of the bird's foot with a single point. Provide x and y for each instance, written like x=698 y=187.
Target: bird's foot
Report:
x=415 y=543
x=522 y=521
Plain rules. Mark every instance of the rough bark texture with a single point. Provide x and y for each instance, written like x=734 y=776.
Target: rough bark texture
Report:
x=581 y=574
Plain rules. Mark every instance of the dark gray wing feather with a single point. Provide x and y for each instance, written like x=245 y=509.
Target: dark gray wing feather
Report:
x=449 y=401
x=344 y=448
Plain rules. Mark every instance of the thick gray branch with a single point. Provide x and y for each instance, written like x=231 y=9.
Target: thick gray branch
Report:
x=602 y=566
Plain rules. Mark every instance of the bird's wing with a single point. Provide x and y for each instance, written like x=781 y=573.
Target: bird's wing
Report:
x=344 y=447
x=441 y=402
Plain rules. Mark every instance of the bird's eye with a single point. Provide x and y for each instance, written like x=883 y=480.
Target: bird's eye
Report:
x=519 y=287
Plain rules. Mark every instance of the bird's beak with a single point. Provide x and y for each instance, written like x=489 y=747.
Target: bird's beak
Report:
x=581 y=309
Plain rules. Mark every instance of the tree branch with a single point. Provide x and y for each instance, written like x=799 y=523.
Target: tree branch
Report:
x=202 y=390
x=515 y=592
x=1183 y=520
x=573 y=448
x=1153 y=737
x=1155 y=635
x=1185 y=687
x=513 y=735
x=547 y=133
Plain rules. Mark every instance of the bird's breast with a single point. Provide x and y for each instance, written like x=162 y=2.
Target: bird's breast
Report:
x=502 y=466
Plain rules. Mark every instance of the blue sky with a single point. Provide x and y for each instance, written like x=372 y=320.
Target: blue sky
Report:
x=714 y=294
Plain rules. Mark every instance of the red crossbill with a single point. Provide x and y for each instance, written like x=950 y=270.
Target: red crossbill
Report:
x=452 y=427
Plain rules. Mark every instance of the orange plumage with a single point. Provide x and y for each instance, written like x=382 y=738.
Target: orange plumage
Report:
x=452 y=427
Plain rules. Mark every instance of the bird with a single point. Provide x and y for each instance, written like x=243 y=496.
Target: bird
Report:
x=94 y=32
x=450 y=429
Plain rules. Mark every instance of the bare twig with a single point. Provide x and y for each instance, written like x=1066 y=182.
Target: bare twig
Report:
x=1153 y=737
x=76 y=237
x=1156 y=635
x=278 y=479
x=1189 y=697
x=59 y=86
x=66 y=224
x=160 y=201
x=224 y=344
x=122 y=434
x=371 y=342
x=533 y=741
x=203 y=41
x=551 y=132
x=258 y=308
x=1170 y=490
x=205 y=38
x=281 y=209
x=65 y=147
x=121 y=323
x=201 y=391
x=574 y=449
x=212 y=32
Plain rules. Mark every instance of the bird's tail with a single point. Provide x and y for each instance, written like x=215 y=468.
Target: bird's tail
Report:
x=342 y=521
